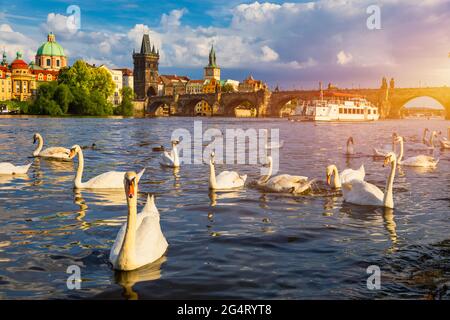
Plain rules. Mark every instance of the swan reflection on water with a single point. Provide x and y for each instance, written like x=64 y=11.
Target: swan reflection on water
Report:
x=374 y=216
x=214 y=196
x=127 y=279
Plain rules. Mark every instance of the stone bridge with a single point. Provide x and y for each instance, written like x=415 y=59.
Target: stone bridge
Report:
x=269 y=104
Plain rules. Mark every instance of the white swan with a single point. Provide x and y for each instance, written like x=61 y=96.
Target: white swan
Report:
x=363 y=193
x=426 y=145
x=107 y=180
x=171 y=159
x=422 y=161
x=346 y=175
x=57 y=153
x=10 y=169
x=350 y=150
x=445 y=143
x=384 y=150
x=140 y=240
x=283 y=183
x=226 y=180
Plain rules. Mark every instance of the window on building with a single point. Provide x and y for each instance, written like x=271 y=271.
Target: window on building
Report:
x=57 y=63
x=49 y=77
x=49 y=62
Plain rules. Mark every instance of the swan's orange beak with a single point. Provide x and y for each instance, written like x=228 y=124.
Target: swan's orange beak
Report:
x=386 y=161
x=71 y=153
x=131 y=189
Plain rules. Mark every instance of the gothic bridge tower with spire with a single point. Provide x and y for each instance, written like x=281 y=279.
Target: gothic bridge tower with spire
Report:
x=145 y=74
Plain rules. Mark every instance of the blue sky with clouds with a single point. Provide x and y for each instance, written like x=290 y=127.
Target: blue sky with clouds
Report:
x=294 y=44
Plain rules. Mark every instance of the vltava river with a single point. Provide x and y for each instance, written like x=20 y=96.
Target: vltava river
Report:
x=243 y=244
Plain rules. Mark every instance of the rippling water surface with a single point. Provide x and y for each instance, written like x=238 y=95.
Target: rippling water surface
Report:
x=243 y=244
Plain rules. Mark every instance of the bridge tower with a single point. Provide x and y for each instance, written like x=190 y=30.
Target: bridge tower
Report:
x=145 y=74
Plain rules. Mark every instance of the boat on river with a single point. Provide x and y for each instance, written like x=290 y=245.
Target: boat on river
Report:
x=338 y=108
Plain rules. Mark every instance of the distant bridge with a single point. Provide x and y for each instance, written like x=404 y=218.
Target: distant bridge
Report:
x=269 y=104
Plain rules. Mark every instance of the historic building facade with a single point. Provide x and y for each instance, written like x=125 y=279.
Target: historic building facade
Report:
x=19 y=80
x=23 y=80
x=145 y=73
x=5 y=80
x=50 y=55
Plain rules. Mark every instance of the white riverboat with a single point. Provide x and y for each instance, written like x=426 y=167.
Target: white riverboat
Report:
x=349 y=109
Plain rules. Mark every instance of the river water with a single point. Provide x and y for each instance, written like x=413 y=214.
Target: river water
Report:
x=243 y=244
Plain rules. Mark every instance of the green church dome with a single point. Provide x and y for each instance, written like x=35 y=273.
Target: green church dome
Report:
x=51 y=47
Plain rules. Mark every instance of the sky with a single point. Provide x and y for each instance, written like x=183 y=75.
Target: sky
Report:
x=291 y=44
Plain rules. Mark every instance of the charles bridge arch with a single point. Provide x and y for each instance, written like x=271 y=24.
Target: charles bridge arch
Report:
x=269 y=104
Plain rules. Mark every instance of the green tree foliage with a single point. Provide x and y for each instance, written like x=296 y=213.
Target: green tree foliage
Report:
x=81 y=89
x=126 y=108
x=63 y=97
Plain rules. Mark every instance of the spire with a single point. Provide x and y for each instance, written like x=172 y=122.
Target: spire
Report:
x=145 y=47
x=153 y=49
x=212 y=57
x=18 y=55
x=4 y=61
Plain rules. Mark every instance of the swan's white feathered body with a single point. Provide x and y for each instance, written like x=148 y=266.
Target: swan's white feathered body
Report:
x=445 y=143
x=385 y=149
x=150 y=243
x=283 y=183
x=422 y=161
x=345 y=176
x=363 y=193
x=349 y=148
x=107 y=180
x=9 y=168
x=230 y=180
x=350 y=174
x=381 y=152
x=56 y=153
x=170 y=158
x=226 y=180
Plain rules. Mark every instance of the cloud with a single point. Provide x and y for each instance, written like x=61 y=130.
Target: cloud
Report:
x=268 y=54
x=344 y=58
x=278 y=39
x=14 y=41
x=59 y=24
x=173 y=19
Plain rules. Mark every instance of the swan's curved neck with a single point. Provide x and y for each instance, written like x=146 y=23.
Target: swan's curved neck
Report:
x=388 y=200
x=424 y=137
x=39 y=147
x=400 y=157
x=212 y=176
x=349 y=146
x=79 y=175
x=126 y=258
x=176 y=158
x=269 y=174
x=337 y=179
x=431 y=142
